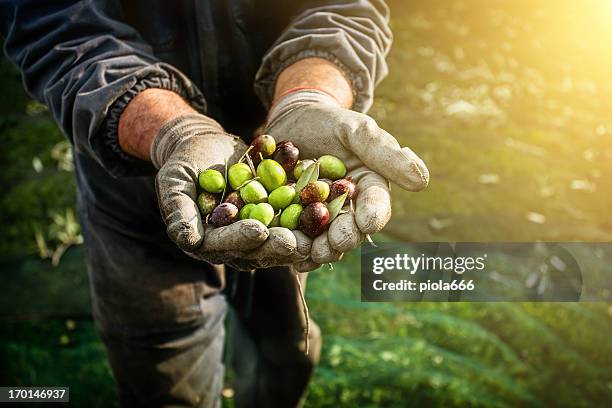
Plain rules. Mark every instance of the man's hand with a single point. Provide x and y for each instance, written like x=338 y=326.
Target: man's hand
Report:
x=159 y=126
x=311 y=112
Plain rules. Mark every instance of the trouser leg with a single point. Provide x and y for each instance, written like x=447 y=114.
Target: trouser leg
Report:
x=173 y=366
x=268 y=348
x=159 y=316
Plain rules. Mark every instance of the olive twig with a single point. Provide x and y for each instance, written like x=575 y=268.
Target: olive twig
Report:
x=369 y=239
x=225 y=186
x=306 y=314
x=247 y=182
x=249 y=161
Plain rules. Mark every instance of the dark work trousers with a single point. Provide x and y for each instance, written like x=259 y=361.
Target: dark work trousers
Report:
x=161 y=314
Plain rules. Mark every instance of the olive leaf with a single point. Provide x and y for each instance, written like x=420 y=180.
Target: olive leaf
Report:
x=309 y=175
x=335 y=206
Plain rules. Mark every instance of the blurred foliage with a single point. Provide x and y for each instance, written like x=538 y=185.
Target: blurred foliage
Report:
x=509 y=104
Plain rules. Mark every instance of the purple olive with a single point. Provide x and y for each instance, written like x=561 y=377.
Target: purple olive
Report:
x=224 y=214
x=287 y=155
x=316 y=191
x=342 y=186
x=314 y=219
x=234 y=198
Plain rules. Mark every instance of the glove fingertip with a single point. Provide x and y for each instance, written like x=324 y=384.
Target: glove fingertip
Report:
x=344 y=234
x=373 y=209
x=254 y=231
x=322 y=252
x=415 y=177
x=185 y=236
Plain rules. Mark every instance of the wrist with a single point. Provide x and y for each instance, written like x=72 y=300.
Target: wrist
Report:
x=296 y=98
x=179 y=130
x=315 y=73
x=144 y=116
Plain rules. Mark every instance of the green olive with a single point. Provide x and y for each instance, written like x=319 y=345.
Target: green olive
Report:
x=275 y=221
x=262 y=212
x=271 y=174
x=281 y=197
x=254 y=192
x=290 y=216
x=207 y=202
x=211 y=181
x=238 y=174
x=245 y=211
x=331 y=167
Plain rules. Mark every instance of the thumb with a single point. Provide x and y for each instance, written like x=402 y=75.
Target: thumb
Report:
x=176 y=193
x=381 y=152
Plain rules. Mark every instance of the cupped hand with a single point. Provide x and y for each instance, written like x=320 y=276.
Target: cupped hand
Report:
x=315 y=123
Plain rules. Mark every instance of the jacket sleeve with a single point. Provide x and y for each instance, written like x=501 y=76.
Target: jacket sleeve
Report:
x=355 y=35
x=86 y=67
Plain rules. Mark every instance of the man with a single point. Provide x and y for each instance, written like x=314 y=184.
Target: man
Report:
x=150 y=93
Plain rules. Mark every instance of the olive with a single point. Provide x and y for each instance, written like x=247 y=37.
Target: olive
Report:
x=264 y=144
x=254 y=192
x=328 y=181
x=287 y=155
x=234 y=198
x=262 y=212
x=331 y=167
x=290 y=216
x=212 y=181
x=238 y=174
x=342 y=186
x=301 y=166
x=316 y=191
x=275 y=221
x=314 y=219
x=271 y=174
x=245 y=211
x=281 y=197
x=207 y=202
x=224 y=214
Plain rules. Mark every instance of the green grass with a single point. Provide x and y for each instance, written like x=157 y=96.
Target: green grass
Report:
x=536 y=79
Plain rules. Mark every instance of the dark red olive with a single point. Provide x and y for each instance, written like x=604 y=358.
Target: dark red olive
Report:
x=224 y=214
x=342 y=186
x=314 y=219
x=234 y=198
x=287 y=154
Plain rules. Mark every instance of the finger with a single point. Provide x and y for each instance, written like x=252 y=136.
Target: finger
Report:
x=344 y=234
x=381 y=152
x=279 y=249
x=322 y=252
x=303 y=245
x=240 y=236
x=373 y=203
x=306 y=266
x=176 y=192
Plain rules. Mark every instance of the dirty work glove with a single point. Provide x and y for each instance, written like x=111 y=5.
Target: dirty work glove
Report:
x=183 y=148
x=316 y=123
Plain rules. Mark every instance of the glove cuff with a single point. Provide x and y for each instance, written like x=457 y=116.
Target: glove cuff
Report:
x=177 y=131
x=297 y=98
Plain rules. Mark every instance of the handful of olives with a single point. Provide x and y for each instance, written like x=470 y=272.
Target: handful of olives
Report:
x=272 y=185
